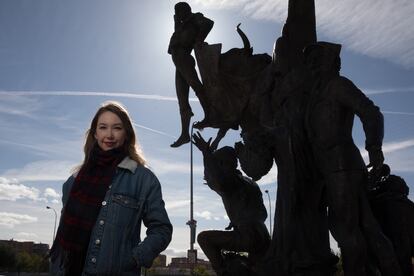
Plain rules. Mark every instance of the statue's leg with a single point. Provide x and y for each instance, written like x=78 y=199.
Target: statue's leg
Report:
x=213 y=241
x=185 y=63
x=220 y=135
x=343 y=190
x=379 y=244
x=210 y=242
x=182 y=89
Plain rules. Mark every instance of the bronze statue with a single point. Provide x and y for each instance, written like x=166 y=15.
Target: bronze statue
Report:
x=243 y=202
x=333 y=102
x=190 y=30
x=394 y=211
x=296 y=110
x=279 y=135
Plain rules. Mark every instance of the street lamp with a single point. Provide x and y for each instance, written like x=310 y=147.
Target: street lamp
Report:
x=270 y=211
x=54 y=229
x=192 y=223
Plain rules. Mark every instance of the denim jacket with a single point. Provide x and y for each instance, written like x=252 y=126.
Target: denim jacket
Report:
x=115 y=246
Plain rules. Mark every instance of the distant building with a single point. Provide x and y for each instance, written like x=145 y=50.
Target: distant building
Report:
x=189 y=264
x=160 y=261
x=179 y=266
x=27 y=246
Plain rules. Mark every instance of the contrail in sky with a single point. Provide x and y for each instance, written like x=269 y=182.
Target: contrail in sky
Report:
x=392 y=147
x=380 y=29
x=99 y=94
x=398 y=113
x=92 y=94
x=387 y=90
x=154 y=130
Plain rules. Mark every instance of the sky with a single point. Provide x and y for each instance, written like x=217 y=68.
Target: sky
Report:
x=59 y=60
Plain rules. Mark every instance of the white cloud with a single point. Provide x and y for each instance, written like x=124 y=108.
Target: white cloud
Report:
x=172 y=252
x=270 y=177
x=391 y=147
x=181 y=242
x=401 y=161
x=176 y=204
x=398 y=155
x=11 y=190
x=395 y=146
x=204 y=214
x=51 y=193
x=10 y=220
x=24 y=236
x=380 y=29
x=45 y=170
x=13 y=104
x=161 y=167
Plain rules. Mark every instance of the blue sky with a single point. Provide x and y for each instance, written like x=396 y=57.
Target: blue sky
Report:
x=60 y=59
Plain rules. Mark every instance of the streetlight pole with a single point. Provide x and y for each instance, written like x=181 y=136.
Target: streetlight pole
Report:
x=270 y=211
x=54 y=229
x=192 y=223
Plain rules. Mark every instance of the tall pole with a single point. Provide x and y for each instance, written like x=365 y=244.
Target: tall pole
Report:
x=192 y=223
x=270 y=212
x=54 y=229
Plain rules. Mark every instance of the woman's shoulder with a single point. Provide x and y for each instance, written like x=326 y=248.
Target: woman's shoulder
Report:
x=145 y=171
x=136 y=169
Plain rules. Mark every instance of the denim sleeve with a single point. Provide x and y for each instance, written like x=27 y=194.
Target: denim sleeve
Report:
x=159 y=228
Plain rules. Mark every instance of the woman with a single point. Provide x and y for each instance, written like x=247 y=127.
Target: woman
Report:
x=105 y=201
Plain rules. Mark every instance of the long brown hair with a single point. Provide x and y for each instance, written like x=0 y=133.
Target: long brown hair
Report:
x=130 y=146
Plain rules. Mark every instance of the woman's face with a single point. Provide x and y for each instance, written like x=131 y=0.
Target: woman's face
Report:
x=110 y=132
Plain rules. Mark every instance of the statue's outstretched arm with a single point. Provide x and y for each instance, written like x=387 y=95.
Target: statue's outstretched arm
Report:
x=217 y=179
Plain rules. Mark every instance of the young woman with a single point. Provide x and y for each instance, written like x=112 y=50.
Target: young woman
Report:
x=105 y=201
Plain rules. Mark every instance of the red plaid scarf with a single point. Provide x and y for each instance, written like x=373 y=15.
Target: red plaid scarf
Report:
x=83 y=206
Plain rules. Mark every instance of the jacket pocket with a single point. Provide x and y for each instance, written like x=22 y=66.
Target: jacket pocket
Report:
x=126 y=201
x=125 y=210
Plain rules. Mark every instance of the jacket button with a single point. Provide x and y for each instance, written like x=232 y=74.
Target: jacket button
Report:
x=103 y=203
x=93 y=260
x=101 y=222
x=98 y=241
x=110 y=186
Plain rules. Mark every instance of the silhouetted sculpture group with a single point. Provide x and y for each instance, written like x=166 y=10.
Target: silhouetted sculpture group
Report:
x=294 y=109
